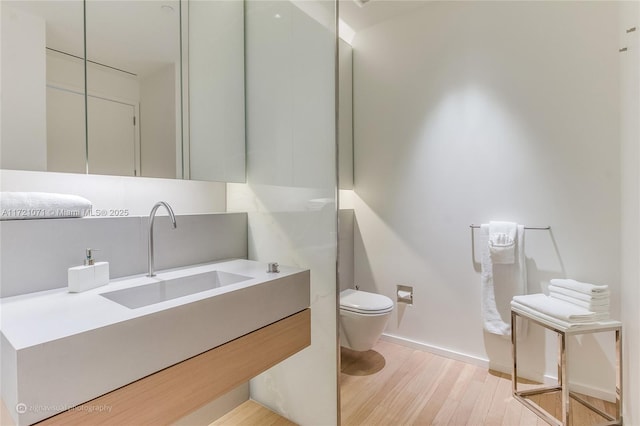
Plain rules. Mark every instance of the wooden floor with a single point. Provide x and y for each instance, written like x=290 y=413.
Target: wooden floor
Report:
x=393 y=385
x=396 y=385
x=251 y=413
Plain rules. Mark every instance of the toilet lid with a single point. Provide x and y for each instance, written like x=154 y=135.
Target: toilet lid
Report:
x=364 y=302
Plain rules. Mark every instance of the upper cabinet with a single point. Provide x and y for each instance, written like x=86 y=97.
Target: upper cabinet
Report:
x=160 y=94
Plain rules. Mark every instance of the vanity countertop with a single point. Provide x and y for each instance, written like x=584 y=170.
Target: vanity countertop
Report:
x=36 y=318
x=61 y=349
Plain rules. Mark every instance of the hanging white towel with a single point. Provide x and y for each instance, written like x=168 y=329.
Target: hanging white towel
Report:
x=500 y=282
x=502 y=242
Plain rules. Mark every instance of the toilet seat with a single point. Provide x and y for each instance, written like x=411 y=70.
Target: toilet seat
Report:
x=365 y=303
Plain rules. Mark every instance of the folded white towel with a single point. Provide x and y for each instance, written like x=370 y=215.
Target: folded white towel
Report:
x=502 y=242
x=559 y=309
x=42 y=205
x=601 y=297
x=580 y=302
x=593 y=307
x=545 y=318
x=586 y=288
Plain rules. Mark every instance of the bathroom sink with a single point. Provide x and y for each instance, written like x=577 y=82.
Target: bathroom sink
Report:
x=111 y=337
x=149 y=294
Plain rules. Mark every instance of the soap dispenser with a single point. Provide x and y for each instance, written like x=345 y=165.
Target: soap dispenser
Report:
x=90 y=275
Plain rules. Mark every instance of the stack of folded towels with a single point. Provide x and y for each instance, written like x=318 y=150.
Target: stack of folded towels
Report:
x=569 y=303
x=594 y=298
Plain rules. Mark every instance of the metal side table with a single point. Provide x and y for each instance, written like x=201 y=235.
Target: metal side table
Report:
x=563 y=384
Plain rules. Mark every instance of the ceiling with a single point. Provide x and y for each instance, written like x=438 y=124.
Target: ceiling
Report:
x=375 y=11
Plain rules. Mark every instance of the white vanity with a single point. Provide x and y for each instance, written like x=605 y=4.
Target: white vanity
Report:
x=60 y=350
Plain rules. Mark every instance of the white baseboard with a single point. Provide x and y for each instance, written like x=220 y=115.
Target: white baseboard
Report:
x=447 y=353
x=507 y=369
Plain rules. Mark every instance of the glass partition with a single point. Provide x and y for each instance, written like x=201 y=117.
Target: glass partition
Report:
x=290 y=195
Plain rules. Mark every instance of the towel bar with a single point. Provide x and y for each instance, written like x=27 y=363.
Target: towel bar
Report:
x=537 y=228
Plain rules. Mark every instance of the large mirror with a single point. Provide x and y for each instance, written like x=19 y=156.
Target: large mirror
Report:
x=164 y=85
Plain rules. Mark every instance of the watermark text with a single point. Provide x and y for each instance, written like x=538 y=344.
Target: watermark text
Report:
x=57 y=408
x=44 y=213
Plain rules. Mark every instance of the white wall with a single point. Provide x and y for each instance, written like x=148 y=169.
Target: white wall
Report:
x=135 y=194
x=346 y=219
x=291 y=188
x=345 y=164
x=23 y=134
x=158 y=123
x=630 y=125
x=467 y=112
x=345 y=109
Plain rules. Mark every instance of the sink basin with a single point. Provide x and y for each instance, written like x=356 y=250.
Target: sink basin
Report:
x=149 y=294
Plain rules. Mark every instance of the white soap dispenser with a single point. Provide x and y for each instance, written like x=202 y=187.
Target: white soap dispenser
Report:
x=101 y=273
x=88 y=276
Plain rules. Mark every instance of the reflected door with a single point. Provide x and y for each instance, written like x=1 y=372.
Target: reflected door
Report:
x=65 y=131
x=111 y=137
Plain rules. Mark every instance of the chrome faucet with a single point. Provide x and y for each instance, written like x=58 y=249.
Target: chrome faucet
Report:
x=152 y=216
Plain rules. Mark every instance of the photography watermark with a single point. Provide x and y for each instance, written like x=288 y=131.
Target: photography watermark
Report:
x=109 y=212
x=44 y=213
x=41 y=408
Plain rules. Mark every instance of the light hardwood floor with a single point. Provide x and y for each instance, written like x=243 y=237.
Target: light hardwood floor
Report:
x=251 y=413
x=393 y=385
x=396 y=385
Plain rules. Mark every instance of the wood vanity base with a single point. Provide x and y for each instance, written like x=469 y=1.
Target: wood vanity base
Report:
x=172 y=393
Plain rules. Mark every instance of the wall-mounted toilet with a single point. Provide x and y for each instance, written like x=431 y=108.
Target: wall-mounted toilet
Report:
x=363 y=317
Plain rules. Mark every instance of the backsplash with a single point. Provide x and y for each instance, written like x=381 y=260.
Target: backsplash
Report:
x=37 y=253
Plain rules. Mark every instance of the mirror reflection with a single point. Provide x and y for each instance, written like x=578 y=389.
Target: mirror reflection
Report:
x=132 y=80
x=133 y=86
x=136 y=81
x=34 y=33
